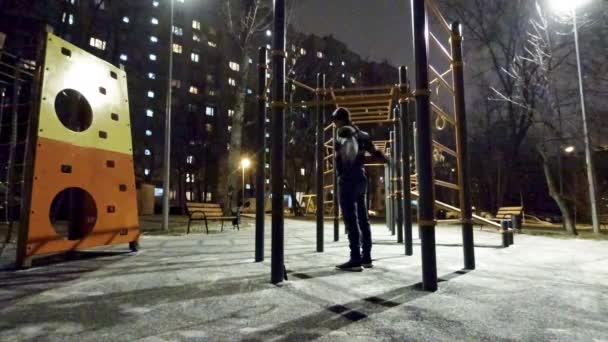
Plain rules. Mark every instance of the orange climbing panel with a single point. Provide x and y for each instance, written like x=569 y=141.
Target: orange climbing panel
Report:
x=82 y=183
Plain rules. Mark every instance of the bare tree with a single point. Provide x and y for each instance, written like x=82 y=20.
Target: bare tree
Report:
x=245 y=21
x=536 y=90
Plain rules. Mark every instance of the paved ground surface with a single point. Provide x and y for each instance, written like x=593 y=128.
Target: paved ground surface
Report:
x=206 y=287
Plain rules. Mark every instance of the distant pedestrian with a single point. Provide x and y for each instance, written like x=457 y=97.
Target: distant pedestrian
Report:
x=352 y=144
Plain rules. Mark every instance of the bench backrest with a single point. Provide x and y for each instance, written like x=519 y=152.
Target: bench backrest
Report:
x=506 y=212
x=210 y=209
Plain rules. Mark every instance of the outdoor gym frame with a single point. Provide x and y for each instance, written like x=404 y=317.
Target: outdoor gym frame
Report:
x=363 y=104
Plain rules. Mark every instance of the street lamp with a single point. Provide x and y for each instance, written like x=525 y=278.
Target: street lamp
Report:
x=245 y=163
x=570 y=6
x=167 y=150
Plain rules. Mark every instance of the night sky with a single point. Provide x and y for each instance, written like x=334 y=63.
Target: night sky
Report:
x=376 y=29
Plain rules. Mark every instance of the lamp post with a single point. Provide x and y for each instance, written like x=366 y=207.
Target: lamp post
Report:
x=570 y=6
x=167 y=150
x=245 y=163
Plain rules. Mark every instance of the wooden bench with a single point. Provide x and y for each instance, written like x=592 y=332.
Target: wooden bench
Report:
x=209 y=212
x=506 y=213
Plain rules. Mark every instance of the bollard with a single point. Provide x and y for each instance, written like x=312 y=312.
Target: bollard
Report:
x=504 y=225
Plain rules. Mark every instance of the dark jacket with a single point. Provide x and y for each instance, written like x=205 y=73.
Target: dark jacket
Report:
x=354 y=170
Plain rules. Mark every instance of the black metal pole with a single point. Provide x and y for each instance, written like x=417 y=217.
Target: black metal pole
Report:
x=426 y=207
x=464 y=180
x=391 y=173
x=277 y=266
x=336 y=187
x=260 y=175
x=404 y=128
x=319 y=168
x=387 y=201
x=398 y=175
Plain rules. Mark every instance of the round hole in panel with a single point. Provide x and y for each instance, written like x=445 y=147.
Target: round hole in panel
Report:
x=73 y=213
x=73 y=110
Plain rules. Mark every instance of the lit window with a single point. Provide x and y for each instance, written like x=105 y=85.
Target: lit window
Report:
x=267 y=166
x=212 y=92
x=153 y=39
x=268 y=33
x=123 y=57
x=152 y=57
x=155 y=3
x=232 y=82
x=268 y=46
x=212 y=44
x=177 y=48
x=343 y=63
x=154 y=21
x=176 y=83
x=67 y=17
x=190 y=159
x=302 y=52
x=250 y=61
x=150 y=94
x=178 y=31
x=147 y=152
x=151 y=75
x=319 y=54
x=210 y=78
x=149 y=113
x=247 y=186
x=147 y=172
x=210 y=111
x=194 y=57
x=230 y=112
x=193 y=90
x=125 y=20
x=331 y=63
x=234 y=66
x=148 y=133
x=267 y=135
x=343 y=75
x=249 y=91
x=97 y=43
x=353 y=80
x=267 y=181
x=196 y=37
x=303 y=172
x=229 y=128
x=190 y=178
x=196 y=24
x=267 y=150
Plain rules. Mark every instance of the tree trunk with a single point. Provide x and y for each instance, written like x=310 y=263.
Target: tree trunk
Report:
x=557 y=197
x=230 y=180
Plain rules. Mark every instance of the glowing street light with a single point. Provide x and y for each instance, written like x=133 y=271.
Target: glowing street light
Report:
x=570 y=6
x=564 y=6
x=245 y=163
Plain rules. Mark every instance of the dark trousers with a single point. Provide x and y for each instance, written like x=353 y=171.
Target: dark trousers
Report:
x=353 y=201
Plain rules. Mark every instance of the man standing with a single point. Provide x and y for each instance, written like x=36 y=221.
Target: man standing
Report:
x=351 y=145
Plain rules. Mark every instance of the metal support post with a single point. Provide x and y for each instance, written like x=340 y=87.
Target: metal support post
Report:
x=404 y=128
x=260 y=176
x=398 y=165
x=277 y=265
x=464 y=180
x=391 y=183
x=336 y=187
x=424 y=167
x=319 y=166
